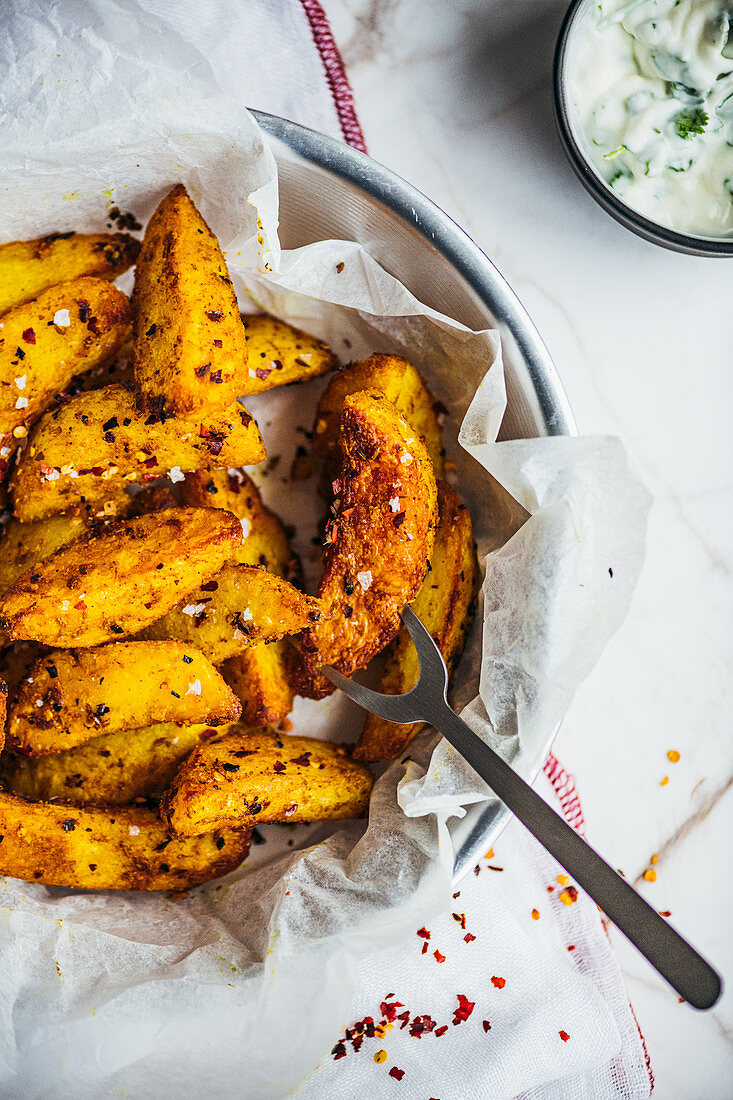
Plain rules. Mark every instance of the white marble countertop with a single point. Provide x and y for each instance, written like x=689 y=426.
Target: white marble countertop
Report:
x=455 y=96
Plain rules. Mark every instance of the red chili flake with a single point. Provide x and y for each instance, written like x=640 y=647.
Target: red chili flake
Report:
x=210 y=586
x=85 y=311
x=469 y=937
x=340 y=267
x=405 y=1018
x=97 y=470
x=207 y=734
x=93 y=326
x=438 y=957
x=303 y=759
x=216 y=377
x=80 y=606
x=440 y=1031
x=665 y=912
x=278 y=766
x=150 y=462
x=29 y=336
x=263 y=372
x=486 y=1025
x=457 y=894
x=399 y=519
x=398 y=1074
x=339 y=1051
x=498 y=982
x=214 y=314
x=218 y=344
x=550 y=889
x=424 y=933
x=421 y=1024
x=461 y=918
x=337 y=486
x=564 y=1036
x=464 y=1010
x=389 y=1011
x=424 y=949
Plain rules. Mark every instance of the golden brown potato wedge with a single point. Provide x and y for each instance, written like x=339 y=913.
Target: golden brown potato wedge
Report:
x=190 y=347
x=47 y=341
x=444 y=604
x=116 y=371
x=400 y=383
x=380 y=540
x=240 y=607
x=117 y=769
x=258 y=676
x=73 y=695
x=108 y=848
x=98 y=442
x=114 y=584
x=27 y=268
x=15 y=662
x=253 y=777
x=280 y=354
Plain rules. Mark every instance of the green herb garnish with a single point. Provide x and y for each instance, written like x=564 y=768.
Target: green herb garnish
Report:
x=692 y=121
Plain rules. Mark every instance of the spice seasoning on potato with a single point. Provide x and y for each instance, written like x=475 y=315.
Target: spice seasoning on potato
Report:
x=444 y=604
x=44 y=343
x=114 y=584
x=400 y=383
x=108 y=847
x=379 y=542
x=190 y=348
x=71 y=696
x=253 y=777
x=27 y=268
x=239 y=607
x=98 y=442
x=279 y=354
x=116 y=769
x=260 y=678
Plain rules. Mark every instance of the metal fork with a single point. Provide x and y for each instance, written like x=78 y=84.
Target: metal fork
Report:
x=676 y=960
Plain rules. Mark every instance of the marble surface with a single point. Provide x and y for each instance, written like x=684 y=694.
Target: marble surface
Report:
x=455 y=96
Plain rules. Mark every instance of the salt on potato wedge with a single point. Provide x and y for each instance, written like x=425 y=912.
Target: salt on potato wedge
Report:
x=279 y=354
x=252 y=777
x=190 y=348
x=379 y=541
x=98 y=442
x=108 y=848
x=73 y=695
x=27 y=268
x=444 y=604
x=241 y=606
x=259 y=676
x=44 y=343
x=106 y=586
x=400 y=383
x=116 y=769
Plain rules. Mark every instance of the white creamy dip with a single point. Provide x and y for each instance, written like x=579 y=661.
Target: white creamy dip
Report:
x=649 y=88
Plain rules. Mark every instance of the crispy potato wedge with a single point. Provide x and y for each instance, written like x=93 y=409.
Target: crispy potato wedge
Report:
x=98 y=442
x=108 y=848
x=39 y=358
x=444 y=604
x=190 y=347
x=400 y=383
x=280 y=354
x=380 y=540
x=252 y=777
x=241 y=607
x=73 y=695
x=27 y=268
x=117 y=769
x=259 y=676
x=15 y=663
x=115 y=371
x=114 y=584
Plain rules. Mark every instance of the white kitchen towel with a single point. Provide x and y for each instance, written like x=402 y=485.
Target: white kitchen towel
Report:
x=545 y=1022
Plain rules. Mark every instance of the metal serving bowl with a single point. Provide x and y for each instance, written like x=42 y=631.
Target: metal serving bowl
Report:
x=650 y=230
x=360 y=200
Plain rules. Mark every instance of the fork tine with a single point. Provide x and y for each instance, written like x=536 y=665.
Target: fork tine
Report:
x=432 y=665
x=395 y=708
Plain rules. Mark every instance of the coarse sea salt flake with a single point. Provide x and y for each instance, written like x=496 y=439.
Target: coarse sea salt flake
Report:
x=194 y=608
x=246 y=527
x=21 y=403
x=176 y=475
x=247 y=615
x=4 y=452
x=194 y=688
x=20 y=382
x=61 y=318
x=364 y=578
x=64 y=605
x=252 y=373
x=134 y=830
x=394 y=504
x=405 y=458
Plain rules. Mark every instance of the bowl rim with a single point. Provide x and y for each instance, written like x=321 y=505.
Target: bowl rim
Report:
x=652 y=231
x=482 y=824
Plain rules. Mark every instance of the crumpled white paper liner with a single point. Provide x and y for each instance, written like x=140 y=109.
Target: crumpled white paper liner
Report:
x=247 y=979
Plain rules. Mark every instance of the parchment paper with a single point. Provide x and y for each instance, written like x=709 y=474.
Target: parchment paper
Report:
x=242 y=985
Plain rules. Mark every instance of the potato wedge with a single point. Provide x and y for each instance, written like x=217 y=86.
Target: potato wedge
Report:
x=106 y=586
x=260 y=678
x=279 y=354
x=15 y=663
x=190 y=347
x=71 y=696
x=3 y=710
x=115 y=371
x=380 y=540
x=400 y=383
x=241 y=607
x=98 y=442
x=117 y=769
x=39 y=358
x=27 y=268
x=444 y=604
x=253 y=777
x=108 y=848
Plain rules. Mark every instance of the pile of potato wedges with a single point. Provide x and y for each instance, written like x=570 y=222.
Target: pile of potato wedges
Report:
x=154 y=630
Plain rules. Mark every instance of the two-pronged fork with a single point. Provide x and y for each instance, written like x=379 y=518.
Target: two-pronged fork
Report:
x=685 y=970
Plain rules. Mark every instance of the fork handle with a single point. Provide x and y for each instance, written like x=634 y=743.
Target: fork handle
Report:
x=672 y=956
